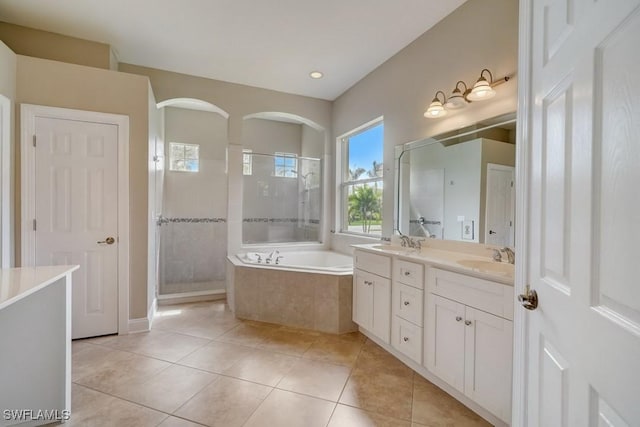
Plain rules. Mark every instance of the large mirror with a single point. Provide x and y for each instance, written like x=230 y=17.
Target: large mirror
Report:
x=459 y=185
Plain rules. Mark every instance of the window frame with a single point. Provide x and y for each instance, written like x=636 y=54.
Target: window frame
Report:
x=184 y=157
x=247 y=153
x=284 y=157
x=343 y=182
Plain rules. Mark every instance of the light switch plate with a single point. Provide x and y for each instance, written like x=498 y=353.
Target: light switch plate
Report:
x=467 y=230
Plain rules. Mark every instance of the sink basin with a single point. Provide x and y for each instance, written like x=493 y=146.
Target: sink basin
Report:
x=390 y=248
x=500 y=268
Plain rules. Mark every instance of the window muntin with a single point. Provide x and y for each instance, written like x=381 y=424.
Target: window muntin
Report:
x=362 y=182
x=184 y=157
x=285 y=165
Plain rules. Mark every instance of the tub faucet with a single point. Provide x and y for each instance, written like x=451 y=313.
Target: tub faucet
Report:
x=497 y=256
x=511 y=255
x=272 y=256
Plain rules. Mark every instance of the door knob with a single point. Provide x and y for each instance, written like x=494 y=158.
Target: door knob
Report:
x=529 y=299
x=492 y=232
x=108 y=241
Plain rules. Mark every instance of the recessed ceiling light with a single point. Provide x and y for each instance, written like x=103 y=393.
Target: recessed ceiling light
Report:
x=316 y=75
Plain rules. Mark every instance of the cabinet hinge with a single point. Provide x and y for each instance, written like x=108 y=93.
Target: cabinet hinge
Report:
x=34 y=140
x=34 y=225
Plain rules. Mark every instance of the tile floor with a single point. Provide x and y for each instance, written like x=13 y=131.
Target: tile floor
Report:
x=201 y=366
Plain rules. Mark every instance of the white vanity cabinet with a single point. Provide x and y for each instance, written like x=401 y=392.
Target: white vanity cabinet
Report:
x=372 y=293
x=407 y=308
x=469 y=337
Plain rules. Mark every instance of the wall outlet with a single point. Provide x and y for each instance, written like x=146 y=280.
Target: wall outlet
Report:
x=467 y=230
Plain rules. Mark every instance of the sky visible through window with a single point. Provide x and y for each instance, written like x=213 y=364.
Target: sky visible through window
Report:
x=366 y=147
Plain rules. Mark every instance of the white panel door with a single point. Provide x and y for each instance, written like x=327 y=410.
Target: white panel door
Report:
x=499 y=212
x=77 y=215
x=583 y=362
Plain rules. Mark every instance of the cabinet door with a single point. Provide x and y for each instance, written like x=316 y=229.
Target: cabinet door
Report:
x=362 y=298
x=381 y=316
x=488 y=360
x=445 y=340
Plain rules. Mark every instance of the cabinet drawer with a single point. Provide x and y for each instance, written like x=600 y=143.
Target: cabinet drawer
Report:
x=407 y=338
x=373 y=263
x=494 y=298
x=410 y=273
x=407 y=303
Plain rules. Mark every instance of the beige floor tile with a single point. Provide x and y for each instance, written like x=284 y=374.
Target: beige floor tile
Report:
x=87 y=358
x=250 y=334
x=227 y=402
x=167 y=390
x=380 y=392
x=118 y=368
x=160 y=344
x=286 y=409
x=347 y=416
x=317 y=379
x=263 y=367
x=289 y=341
x=333 y=349
x=178 y=422
x=374 y=358
x=217 y=356
x=90 y=408
x=435 y=408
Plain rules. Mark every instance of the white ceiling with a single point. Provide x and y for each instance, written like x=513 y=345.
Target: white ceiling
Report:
x=272 y=44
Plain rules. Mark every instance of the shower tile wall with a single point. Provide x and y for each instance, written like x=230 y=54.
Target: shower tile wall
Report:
x=193 y=230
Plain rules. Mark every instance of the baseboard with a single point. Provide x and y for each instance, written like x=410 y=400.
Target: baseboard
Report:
x=143 y=324
x=187 y=297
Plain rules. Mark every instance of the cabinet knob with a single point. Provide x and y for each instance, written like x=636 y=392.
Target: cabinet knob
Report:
x=467 y=322
x=368 y=282
x=458 y=318
x=405 y=339
x=407 y=273
x=406 y=303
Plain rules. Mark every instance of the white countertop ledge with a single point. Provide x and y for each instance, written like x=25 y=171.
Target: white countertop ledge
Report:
x=447 y=260
x=18 y=283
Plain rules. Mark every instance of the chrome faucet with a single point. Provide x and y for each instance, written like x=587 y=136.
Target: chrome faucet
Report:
x=511 y=255
x=405 y=241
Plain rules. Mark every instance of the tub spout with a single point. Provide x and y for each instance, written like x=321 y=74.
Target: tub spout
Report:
x=272 y=256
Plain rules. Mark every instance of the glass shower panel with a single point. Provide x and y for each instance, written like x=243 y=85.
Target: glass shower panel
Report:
x=282 y=198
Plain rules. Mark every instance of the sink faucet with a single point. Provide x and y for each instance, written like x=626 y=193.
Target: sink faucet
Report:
x=497 y=256
x=511 y=255
x=405 y=241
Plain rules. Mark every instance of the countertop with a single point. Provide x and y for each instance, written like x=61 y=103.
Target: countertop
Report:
x=448 y=260
x=18 y=283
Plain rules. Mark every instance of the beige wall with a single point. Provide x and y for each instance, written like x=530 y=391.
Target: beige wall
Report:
x=480 y=34
x=53 y=83
x=44 y=44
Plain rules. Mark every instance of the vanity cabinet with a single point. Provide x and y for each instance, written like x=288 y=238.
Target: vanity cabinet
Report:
x=407 y=308
x=470 y=336
x=372 y=293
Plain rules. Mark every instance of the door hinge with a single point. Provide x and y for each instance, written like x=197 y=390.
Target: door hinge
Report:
x=34 y=140
x=34 y=225
x=511 y=183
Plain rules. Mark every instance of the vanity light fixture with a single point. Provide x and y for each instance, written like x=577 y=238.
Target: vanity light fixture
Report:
x=436 y=108
x=482 y=89
x=462 y=95
x=316 y=74
x=457 y=98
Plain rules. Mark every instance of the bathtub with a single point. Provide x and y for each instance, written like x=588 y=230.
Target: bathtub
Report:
x=312 y=261
x=306 y=289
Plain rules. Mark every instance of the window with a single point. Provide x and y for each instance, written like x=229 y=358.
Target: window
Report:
x=285 y=165
x=184 y=157
x=362 y=185
x=247 y=162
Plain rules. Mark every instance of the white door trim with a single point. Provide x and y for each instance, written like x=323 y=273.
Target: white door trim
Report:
x=5 y=182
x=28 y=114
x=523 y=149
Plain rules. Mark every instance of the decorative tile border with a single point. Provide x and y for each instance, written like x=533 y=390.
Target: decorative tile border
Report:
x=165 y=220
x=280 y=220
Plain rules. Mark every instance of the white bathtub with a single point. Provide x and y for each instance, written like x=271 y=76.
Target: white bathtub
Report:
x=312 y=261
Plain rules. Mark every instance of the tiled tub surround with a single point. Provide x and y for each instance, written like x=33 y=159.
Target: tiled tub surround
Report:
x=192 y=254
x=312 y=299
